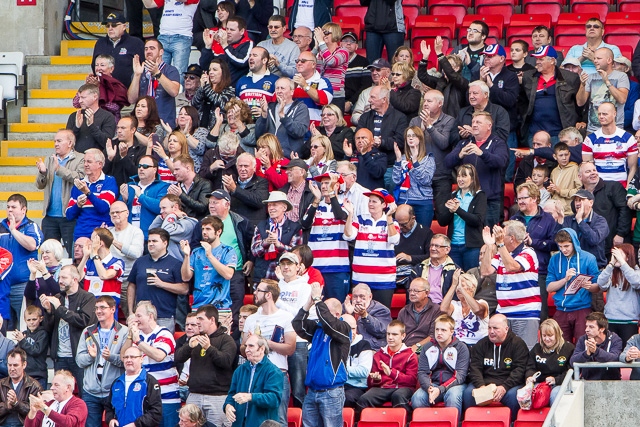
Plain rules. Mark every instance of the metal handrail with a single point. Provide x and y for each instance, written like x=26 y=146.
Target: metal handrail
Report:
x=550 y=421
x=601 y=365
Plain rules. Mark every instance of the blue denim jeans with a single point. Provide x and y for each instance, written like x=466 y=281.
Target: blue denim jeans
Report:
x=15 y=299
x=452 y=398
x=509 y=399
x=284 y=403
x=494 y=209
x=298 y=372
x=375 y=42
x=465 y=257
x=336 y=285
x=95 y=406
x=323 y=409
x=423 y=211
x=177 y=49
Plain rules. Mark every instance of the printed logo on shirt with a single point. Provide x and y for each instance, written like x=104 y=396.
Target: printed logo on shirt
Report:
x=562 y=360
x=500 y=84
x=99 y=188
x=137 y=387
x=508 y=362
x=488 y=362
x=123 y=51
x=266 y=85
x=541 y=359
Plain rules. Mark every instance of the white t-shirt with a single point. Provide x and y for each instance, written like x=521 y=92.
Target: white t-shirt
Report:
x=470 y=329
x=305 y=14
x=293 y=296
x=267 y=324
x=177 y=18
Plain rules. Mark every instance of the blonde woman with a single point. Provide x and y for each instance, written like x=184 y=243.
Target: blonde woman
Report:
x=321 y=160
x=404 y=54
x=555 y=352
x=270 y=160
x=335 y=128
x=176 y=146
x=404 y=97
x=333 y=59
x=471 y=315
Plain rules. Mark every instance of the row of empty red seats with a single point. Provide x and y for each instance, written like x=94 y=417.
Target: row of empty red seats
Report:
x=433 y=417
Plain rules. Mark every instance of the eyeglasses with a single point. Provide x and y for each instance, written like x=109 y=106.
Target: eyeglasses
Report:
x=405 y=224
x=347 y=174
x=191 y=77
x=416 y=291
x=522 y=199
x=256 y=289
x=589 y=26
x=101 y=307
x=143 y=166
x=273 y=27
x=327 y=114
x=304 y=61
x=112 y=25
x=473 y=30
x=116 y=213
x=315 y=147
x=396 y=74
x=433 y=245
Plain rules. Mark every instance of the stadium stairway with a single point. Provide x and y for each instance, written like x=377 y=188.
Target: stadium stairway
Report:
x=53 y=82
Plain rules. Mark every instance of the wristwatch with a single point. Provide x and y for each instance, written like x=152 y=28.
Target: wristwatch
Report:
x=419 y=345
x=499 y=245
x=96 y=258
x=306 y=88
x=157 y=75
x=317 y=299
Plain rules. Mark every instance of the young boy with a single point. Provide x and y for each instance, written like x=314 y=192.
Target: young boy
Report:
x=539 y=176
x=564 y=178
x=519 y=51
x=35 y=342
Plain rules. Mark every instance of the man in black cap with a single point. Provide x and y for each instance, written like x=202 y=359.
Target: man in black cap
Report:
x=191 y=85
x=120 y=45
x=358 y=77
x=380 y=68
x=297 y=189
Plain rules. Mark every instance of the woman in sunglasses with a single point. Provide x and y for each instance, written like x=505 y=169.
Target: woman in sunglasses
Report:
x=333 y=59
x=403 y=97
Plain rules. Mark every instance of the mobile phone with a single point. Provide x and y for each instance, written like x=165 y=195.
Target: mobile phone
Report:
x=155 y=139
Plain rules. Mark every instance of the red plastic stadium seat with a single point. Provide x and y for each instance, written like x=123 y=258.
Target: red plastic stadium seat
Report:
x=398 y=301
x=626 y=51
x=522 y=26
x=625 y=36
x=623 y=18
x=569 y=39
x=352 y=10
x=574 y=18
x=628 y=5
x=509 y=195
x=410 y=15
x=487 y=417
x=531 y=418
x=449 y=8
x=248 y=299
x=437 y=228
x=446 y=24
x=504 y=8
x=294 y=417
x=383 y=417
x=435 y=417
x=551 y=7
x=429 y=35
x=348 y=417
x=591 y=7
x=349 y=23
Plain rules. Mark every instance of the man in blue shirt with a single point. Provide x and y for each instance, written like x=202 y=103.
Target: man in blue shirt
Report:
x=213 y=265
x=156 y=277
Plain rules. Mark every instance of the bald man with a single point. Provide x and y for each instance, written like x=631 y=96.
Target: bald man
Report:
x=499 y=359
x=372 y=164
x=605 y=85
x=326 y=371
x=311 y=88
x=614 y=151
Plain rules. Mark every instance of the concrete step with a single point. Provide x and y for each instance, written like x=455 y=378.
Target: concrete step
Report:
x=25 y=149
x=43 y=67
x=36 y=127
x=26 y=170
x=71 y=60
x=53 y=93
x=32 y=136
x=47 y=102
x=45 y=114
x=77 y=47
x=63 y=81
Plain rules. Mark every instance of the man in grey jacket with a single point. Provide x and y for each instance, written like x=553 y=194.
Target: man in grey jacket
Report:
x=99 y=355
x=55 y=176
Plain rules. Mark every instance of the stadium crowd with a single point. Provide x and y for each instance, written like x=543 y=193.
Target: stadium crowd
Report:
x=498 y=198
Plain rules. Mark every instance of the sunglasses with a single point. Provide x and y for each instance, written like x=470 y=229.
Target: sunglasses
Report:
x=315 y=147
x=145 y=166
x=191 y=77
x=304 y=61
x=326 y=33
x=396 y=74
x=110 y=25
x=589 y=26
x=273 y=27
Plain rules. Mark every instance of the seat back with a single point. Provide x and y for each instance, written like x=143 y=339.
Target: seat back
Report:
x=533 y=414
x=11 y=73
x=294 y=417
x=383 y=417
x=435 y=417
x=348 y=417
x=499 y=416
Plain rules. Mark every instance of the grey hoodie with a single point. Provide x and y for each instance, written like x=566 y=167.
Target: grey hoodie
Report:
x=178 y=229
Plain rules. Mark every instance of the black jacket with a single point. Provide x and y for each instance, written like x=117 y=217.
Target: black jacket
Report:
x=383 y=16
x=257 y=17
x=504 y=92
x=122 y=53
x=371 y=168
x=454 y=89
x=406 y=99
x=29 y=387
x=79 y=315
x=248 y=201
x=567 y=85
x=321 y=13
x=195 y=202
x=36 y=345
x=554 y=364
x=337 y=140
x=96 y=135
x=611 y=203
x=501 y=121
x=210 y=373
x=416 y=245
x=210 y=157
x=473 y=220
x=123 y=170
x=503 y=365
x=525 y=169
x=392 y=130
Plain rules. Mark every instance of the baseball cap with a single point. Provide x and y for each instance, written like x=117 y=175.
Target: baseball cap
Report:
x=545 y=50
x=382 y=193
x=296 y=162
x=584 y=194
x=319 y=178
x=221 y=194
x=571 y=61
x=349 y=34
x=117 y=17
x=494 y=49
x=194 y=69
x=623 y=60
x=290 y=256
x=380 y=63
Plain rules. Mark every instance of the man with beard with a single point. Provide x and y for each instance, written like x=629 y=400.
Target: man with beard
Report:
x=259 y=83
x=212 y=264
x=274 y=325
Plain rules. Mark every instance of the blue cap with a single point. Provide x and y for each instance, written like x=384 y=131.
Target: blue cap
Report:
x=543 y=51
x=494 y=49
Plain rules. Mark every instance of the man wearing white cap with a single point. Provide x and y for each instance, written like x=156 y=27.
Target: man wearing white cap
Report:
x=274 y=236
x=549 y=101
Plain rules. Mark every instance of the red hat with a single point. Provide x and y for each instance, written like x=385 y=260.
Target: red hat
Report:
x=319 y=178
x=382 y=193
